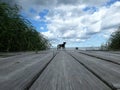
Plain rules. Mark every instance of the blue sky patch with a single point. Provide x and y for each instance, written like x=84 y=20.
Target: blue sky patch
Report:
x=41 y=26
x=90 y=9
x=32 y=10
x=43 y=13
x=110 y=2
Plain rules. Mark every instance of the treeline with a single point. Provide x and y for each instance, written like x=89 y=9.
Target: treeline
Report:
x=114 y=41
x=17 y=33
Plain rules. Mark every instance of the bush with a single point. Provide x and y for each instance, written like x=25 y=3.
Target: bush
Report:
x=114 y=41
x=17 y=33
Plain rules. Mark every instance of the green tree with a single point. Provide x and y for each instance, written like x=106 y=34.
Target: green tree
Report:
x=114 y=41
x=17 y=33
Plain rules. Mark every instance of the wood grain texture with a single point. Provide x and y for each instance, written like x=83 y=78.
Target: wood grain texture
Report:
x=108 y=71
x=65 y=73
x=17 y=73
x=115 y=58
x=68 y=70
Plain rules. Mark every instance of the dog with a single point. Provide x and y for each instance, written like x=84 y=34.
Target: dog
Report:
x=61 y=46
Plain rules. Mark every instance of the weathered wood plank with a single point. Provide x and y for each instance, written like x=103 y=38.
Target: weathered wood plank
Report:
x=104 y=55
x=65 y=73
x=18 y=75
x=108 y=71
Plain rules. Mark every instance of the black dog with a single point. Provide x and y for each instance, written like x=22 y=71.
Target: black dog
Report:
x=59 y=46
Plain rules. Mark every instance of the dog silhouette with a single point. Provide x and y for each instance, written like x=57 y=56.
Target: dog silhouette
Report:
x=61 y=46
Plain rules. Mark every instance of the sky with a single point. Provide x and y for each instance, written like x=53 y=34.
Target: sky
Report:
x=80 y=23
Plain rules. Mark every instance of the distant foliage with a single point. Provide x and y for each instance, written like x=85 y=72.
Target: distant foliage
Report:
x=17 y=33
x=114 y=41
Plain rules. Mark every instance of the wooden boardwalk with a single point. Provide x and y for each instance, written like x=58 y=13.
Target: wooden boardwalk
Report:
x=61 y=70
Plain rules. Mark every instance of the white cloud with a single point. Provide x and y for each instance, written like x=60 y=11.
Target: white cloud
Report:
x=106 y=34
x=111 y=17
x=37 y=17
x=75 y=25
x=50 y=4
x=42 y=28
x=69 y=22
